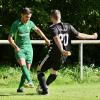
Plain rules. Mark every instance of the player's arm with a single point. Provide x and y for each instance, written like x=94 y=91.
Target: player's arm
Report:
x=40 y=33
x=12 y=43
x=83 y=35
x=86 y=36
x=11 y=35
x=60 y=47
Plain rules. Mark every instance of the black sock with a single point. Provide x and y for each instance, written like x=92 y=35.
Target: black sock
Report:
x=51 y=78
x=42 y=80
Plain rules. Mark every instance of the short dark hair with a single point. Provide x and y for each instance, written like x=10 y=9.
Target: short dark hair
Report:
x=55 y=13
x=26 y=10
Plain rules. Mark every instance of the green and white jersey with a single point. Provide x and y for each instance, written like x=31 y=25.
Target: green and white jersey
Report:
x=21 y=32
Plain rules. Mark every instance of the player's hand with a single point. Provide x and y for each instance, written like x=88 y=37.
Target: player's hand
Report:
x=47 y=42
x=95 y=35
x=17 y=49
x=66 y=53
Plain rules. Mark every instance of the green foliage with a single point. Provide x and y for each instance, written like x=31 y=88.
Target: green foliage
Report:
x=84 y=14
x=71 y=75
x=10 y=77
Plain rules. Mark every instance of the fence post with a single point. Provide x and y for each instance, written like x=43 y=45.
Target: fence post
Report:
x=81 y=60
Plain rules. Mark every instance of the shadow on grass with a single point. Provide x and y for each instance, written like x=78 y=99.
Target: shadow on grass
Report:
x=18 y=94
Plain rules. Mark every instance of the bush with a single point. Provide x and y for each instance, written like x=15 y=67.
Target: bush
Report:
x=10 y=76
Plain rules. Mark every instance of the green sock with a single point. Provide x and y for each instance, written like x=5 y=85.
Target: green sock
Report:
x=26 y=73
x=22 y=81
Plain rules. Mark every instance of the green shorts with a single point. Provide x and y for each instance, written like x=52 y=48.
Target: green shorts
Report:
x=27 y=54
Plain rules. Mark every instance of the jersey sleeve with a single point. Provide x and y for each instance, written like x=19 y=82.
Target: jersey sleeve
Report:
x=13 y=29
x=32 y=25
x=53 y=31
x=73 y=31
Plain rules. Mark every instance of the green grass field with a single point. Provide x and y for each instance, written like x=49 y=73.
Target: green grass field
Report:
x=57 y=92
x=68 y=85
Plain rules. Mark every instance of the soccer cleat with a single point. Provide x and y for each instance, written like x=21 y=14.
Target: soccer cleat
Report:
x=40 y=91
x=20 y=90
x=29 y=85
x=43 y=93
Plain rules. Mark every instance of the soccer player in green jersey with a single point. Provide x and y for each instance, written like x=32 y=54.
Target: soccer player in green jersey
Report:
x=19 y=38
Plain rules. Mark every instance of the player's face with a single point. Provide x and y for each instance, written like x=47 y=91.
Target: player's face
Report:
x=52 y=19
x=26 y=17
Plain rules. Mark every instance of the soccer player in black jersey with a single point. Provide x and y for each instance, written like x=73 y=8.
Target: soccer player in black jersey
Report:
x=61 y=34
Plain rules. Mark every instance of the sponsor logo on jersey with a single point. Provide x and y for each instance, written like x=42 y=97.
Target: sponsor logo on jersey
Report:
x=21 y=34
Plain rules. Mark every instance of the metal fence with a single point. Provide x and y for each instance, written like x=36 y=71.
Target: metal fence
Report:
x=79 y=42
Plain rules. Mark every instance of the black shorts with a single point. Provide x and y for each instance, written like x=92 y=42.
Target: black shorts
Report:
x=53 y=61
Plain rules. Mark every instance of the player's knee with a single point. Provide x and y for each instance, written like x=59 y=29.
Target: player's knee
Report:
x=40 y=74
x=22 y=62
x=54 y=72
x=29 y=66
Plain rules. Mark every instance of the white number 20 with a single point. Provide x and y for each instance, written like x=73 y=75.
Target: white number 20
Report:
x=64 y=39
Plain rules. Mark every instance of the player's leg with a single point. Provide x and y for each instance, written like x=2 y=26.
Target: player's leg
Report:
x=29 y=84
x=41 y=76
x=42 y=80
x=42 y=83
x=24 y=69
x=22 y=81
x=29 y=59
x=52 y=77
x=55 y=66
x=29 y=66
x=25 y=72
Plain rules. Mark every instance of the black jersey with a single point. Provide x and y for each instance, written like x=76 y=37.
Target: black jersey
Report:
x=65 y=31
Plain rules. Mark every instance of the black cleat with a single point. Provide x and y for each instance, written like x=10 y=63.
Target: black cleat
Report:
x=43 y=93
x=20 y=90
